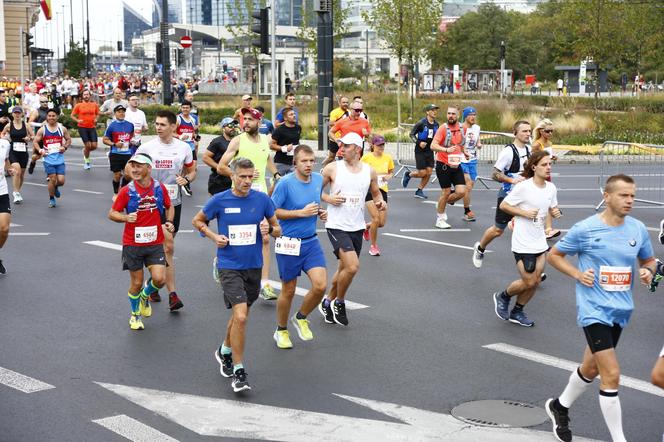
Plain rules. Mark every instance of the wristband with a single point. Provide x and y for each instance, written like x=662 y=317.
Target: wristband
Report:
x=275 y=175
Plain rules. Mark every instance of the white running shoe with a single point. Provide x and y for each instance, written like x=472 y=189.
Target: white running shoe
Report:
x=442 y=224
x=477 y=255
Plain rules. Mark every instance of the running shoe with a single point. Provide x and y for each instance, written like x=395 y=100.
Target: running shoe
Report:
x=374 y=251
x=282 y=338
x=51 y=202
x=560 y=421
x=419 y=193
x=174 y=302
x=661 y=231
x=470 y=216
x=186 y=189
x=339 y=313
x=519 y=317
x=240 y=381
x=543 y=277
x=365 y=234
x=326 y=312
x=302 y=328
x=215 y=271
x=31 y=167
x=657 y=277
x=154 y=297
x=57 y=192
x=477 y=255
x=135 y=323
x=553 y=233
x=3 y=269
x=268 y=293
x=17 y=197
x=502 y=304
x=442 y=224
x=225 y=363
x=405 y=179
x=145 y=308
x=87 y=165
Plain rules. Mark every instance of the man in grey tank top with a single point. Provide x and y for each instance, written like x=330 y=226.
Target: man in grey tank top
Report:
x=349 y=181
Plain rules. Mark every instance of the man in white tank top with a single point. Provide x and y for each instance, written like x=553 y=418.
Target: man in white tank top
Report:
x=349 y=181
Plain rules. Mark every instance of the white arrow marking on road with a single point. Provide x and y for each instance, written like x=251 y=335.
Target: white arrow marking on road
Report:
x=132 y=429
x=88 y=191
x=440 y=243
x=227 y=418
x=21 y=382
x=350 y=305
x=29 y=233
x=106 y=245
x=434 y=230
x=625 y=381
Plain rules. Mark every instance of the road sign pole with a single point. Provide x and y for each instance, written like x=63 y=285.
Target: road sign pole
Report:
x=166 y=64
x=273 y=60
x=21 y=40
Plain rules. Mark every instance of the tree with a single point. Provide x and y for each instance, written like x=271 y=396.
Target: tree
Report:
x=75 y=59
x=307 y=31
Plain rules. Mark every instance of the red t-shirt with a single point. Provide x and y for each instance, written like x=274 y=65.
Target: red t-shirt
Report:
x=146 y=231
x=456 y=143
x=346 y=126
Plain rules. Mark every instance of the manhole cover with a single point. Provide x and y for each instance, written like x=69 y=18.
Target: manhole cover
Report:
x=500 y=413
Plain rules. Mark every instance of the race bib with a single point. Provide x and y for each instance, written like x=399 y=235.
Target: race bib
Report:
x=124 y=148
x=287 y=246
x=615 y=279
x=257 y=187
x=145 y=235
x=430 y=134
x=242 y=234
x=354 y=200
x=382 y=181
x=454 y=159
x=19 y=147
x=539 y=221
x=186 y=136
x=54 y=148
x=173 y=191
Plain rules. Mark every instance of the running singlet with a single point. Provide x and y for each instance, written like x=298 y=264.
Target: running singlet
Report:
x=4 y=155
x=148 y=204
x=120 y=131
x=238 y=219
x=258 y=153
x=349 y=216
x=53 y=141
x=611 y=252
x=292 y=194
x=472 y=137
x=452 y=159
x=17 y=137
x=187 y=130
x=168 y=159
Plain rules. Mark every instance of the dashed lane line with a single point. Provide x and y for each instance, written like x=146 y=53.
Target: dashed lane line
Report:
x=429 y=241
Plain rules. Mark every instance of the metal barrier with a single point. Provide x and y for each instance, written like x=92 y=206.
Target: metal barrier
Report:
x=643 y=162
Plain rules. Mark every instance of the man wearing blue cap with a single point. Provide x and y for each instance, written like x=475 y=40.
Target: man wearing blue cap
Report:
x=472 y=143
x=217 y=148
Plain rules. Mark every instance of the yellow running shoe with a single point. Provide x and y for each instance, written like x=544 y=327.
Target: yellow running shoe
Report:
x=136 y=323
x=145 y=308
x=302 y=327
x=282 y=338
x=268 y=293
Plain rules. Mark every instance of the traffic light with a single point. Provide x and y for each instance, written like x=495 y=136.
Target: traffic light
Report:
x=119 y=46
x=261 y=26
x=28 y=42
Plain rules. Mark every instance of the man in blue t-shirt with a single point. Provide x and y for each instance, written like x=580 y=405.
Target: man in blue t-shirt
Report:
x=289 y=100
x=607 y=245
x=118 y=136
x=297 y=198
x=240 y=213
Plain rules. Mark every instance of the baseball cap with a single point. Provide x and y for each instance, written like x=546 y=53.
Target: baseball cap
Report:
x=467 y=111
x=227 y=121
x=119 y=107
x=43 y=90
x=18 y=109
x=351 y=138
x=429 y=107
x=246 y=97
x=253 y=112
x=378 y=140
x=141 y=158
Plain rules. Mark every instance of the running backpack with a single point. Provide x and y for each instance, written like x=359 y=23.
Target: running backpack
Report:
x=516 y=163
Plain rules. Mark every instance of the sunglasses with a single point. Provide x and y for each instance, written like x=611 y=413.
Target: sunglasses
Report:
x=357 y=110
x=548 y=131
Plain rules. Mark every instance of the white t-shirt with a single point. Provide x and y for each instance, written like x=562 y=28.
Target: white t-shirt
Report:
x=168 y=160
x=4 y=154
x=31 y=101
x=504 y=162
x=470 y=143
x=559 y=83
x=137 y=118
x=528 y=235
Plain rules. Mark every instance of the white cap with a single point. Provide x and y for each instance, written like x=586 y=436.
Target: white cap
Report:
x=351 y=138
x=43 y=91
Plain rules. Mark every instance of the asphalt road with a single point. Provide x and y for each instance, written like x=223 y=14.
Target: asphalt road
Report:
x=420 y=342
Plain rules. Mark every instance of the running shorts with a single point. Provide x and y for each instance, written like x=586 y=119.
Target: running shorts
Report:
x=135 y=257
x=470 y=169
x=502 y=218
x=424 y=159
x=601 y=336
x=54 y=169
x=529 y=260
x=449 y=175
x=88 y=134
x=19 y=157
x=118 y=161
x=311 y=256
x=240 y=286
x=370 y=198
x=176 y=218
x=4 y=204
x=346 y=241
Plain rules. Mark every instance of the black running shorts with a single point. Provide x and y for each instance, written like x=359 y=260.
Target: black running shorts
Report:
x=601 y=336
x=118 y=161
x=240 y=286
x=19 y=157
x=346 y=241
x=4 y=204
x=88 y=134
x=529 y=260
x=135 y=257
x=424 y=159
x=369 y=197
x=449 y=175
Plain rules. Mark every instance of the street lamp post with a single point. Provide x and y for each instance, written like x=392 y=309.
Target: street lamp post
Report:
x=87 y=41
x=366 y=70
x=64 y=40
x=218 y=38
x=71 y=25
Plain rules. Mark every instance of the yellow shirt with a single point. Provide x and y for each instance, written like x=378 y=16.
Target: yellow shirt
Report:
x=382 y=165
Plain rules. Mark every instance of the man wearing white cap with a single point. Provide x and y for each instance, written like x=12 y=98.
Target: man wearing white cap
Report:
x=349 y=181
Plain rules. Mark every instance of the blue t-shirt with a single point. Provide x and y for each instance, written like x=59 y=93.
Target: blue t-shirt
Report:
x=611 y=252
x=120 y=130
x=235 y=215
x=280 y=115
x=292 y=194
x=266 y=127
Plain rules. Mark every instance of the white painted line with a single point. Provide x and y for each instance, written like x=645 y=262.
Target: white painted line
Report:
x=592 y=206
x=299 y=291
x=132 y=429
x=88 y=191
x=21 y=382
x=434 y=230
x=200 y=207
x=15 y=225
x=185 y=231
x=29 y=233
x=460 y=206
x=553 y=361
x=321 y=230
x=440 y=243
x=106 y=245
x=35 y=184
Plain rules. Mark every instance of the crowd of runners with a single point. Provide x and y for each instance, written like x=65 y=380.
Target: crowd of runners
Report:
x=267 y=194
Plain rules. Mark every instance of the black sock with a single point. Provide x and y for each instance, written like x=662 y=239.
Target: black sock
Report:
x=518 y=307
x=280 y=328
x=466 y=209
x=116 y=187
x=300 y=316
x=480 y=248
x=558 y=406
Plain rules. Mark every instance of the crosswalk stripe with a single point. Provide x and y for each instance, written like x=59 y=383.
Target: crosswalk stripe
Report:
x=21 y=382
x=132 y=429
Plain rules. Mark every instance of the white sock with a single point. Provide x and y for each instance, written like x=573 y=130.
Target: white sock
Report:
x=609 y=402
x=576 y=386
x=440 y=215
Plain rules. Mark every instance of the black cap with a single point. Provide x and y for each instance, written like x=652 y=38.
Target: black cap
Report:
x=118 y=107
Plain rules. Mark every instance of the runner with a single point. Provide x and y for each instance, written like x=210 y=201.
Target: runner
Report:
x=297 y=199
x=607 y=246
x=36 y=119
x=529 y=202
x=472 y=142
x=5 y=207
x=506 y=170
x=5 y=110
x=173 y=167
x=145 y=202
x=255 y=147
x=337 y=114
x=20 y=135
x=285 y=139
x=383 y=165
x=542 y=134
x=187 y=131
x=349 y=182
x=422 y=135
x=118 y=136
x=246 y=104
x=85 y=116
x=266 y=127
x=218 y=183
x=289 y=100
x=56 y=141
x=108 y=105
x=240 y=214
x=448 y=143
x=136 y=117
x=353 y=124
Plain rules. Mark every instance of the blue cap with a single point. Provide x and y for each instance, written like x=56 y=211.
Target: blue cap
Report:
x=227 y=121
x=467 y=111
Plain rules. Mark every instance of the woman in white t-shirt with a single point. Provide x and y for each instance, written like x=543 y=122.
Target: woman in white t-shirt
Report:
x=542 y=135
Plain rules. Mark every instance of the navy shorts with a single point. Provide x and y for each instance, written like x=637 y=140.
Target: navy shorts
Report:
x=311 y=255
x=54 y=169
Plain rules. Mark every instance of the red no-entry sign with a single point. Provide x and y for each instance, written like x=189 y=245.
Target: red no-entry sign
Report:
x=186 y=42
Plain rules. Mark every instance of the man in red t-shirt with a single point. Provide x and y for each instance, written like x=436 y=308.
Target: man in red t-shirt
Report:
x=448 y=159
x=144 y=200
x=354 y=123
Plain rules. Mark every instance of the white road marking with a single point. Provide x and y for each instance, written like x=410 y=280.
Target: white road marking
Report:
x=321 y=230
x=88 y=191
x=106 y=245
x=35 y=184
x=625 y=381
x=15 y=225
x=245 y=420
x=350 y=305
x=434 y=230
x=592 y=206
x=440 y=243
x=132 y=429
x=21 y=382
x=460 y=206
x=185 y=231
x=29 y=233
